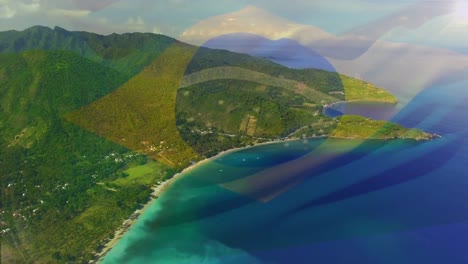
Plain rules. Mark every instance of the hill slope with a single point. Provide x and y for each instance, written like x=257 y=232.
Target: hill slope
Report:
x=130 y=53
x=37 y=86
x=54 y=176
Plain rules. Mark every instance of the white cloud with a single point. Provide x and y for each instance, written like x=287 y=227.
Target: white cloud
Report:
x=69 y=13
x=135 y=21
x=135 y=24
x=6 y=12
x=103 y=20
x=34 y=6
x=156 y=30
x=12 y=8
x=93 y=5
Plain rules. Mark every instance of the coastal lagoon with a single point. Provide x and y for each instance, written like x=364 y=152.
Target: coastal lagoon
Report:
x=321 y=200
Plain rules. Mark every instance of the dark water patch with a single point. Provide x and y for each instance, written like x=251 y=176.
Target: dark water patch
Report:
x=401 y=174
x=377 y=111
x=412 y=246
x=444 y=115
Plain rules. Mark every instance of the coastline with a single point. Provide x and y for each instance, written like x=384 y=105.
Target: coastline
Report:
x=128 y=223
x=158 y=190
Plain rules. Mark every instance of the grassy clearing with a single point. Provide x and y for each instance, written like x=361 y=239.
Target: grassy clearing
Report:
x=147 y=174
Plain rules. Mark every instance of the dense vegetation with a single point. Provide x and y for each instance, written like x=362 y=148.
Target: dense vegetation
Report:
x=351 y=126
x=237 y=73
x=37 y=86
x=221 y=114
x=89 y=123
x=56 y=179
x=59 y=197
x=222 y=110
x=339 y=86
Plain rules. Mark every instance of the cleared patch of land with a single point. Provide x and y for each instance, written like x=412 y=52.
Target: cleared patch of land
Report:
x=147 y=174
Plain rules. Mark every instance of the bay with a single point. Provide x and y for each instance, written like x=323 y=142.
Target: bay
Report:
x=365 y=202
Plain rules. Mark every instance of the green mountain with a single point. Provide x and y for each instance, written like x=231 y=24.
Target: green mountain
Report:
x=81 y=113
x=131 y=52
x=128 y=53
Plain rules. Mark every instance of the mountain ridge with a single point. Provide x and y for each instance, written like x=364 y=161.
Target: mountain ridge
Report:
x=128 y=52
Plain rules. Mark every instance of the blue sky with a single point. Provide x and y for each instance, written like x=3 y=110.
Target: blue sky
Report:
x=172 y=17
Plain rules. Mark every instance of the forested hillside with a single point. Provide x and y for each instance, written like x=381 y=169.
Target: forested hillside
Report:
x=128 y=53
x=55 y=177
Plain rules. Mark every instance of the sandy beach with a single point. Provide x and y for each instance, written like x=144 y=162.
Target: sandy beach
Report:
x=127 y=224
x=158 y=190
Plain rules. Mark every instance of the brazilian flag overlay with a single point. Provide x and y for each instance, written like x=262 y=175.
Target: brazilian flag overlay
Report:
x=251 y=138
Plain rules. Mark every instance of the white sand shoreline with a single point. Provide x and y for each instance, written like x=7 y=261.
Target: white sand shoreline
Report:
x=159 y=189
